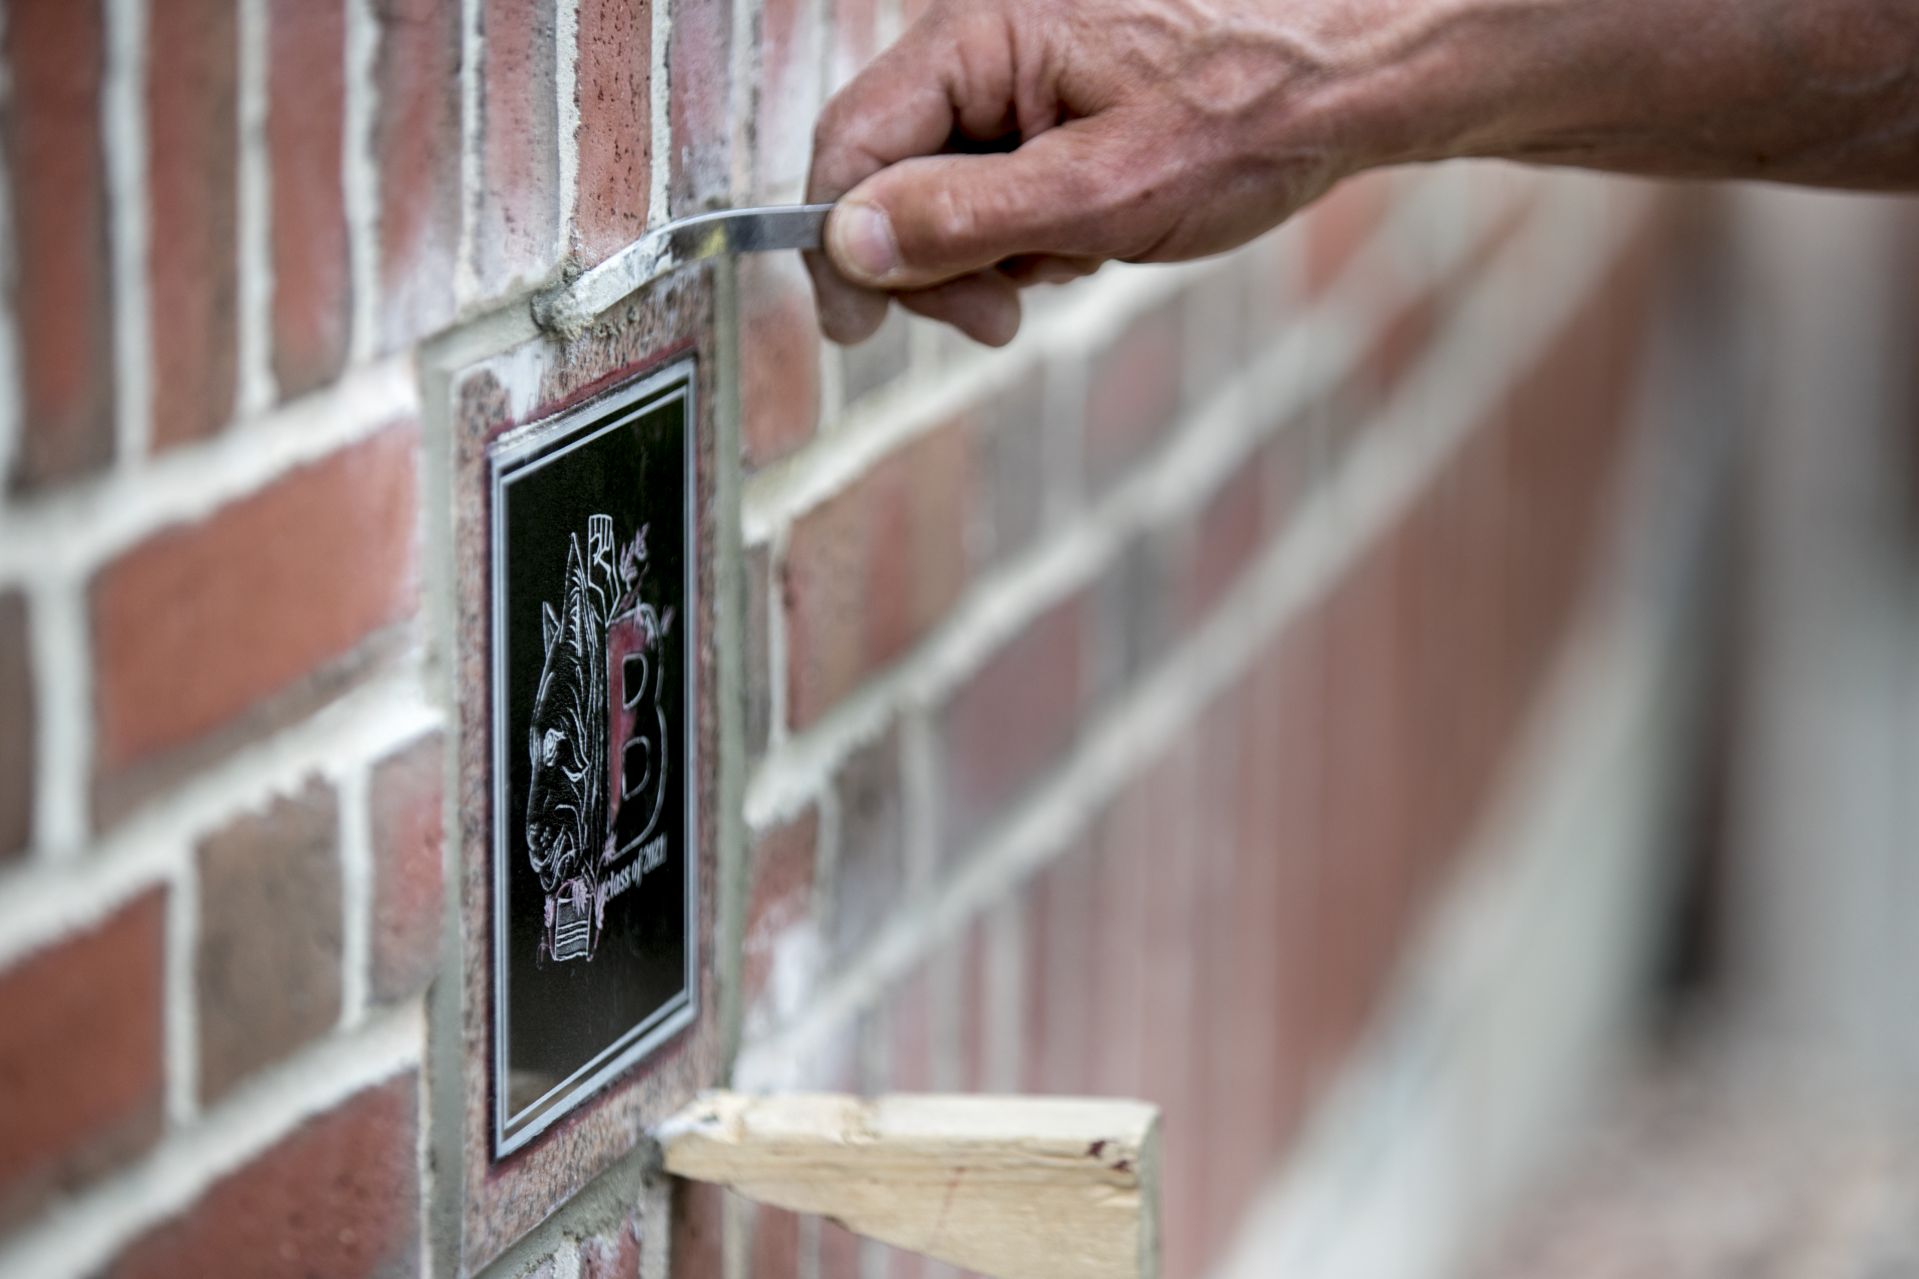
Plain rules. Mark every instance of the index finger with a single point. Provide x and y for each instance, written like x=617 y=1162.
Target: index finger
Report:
x=908 y=102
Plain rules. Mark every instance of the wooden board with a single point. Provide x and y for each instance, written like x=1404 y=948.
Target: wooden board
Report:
x=1013 y=1187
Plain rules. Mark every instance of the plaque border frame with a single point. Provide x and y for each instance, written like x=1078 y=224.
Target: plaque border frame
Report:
x=676 y=381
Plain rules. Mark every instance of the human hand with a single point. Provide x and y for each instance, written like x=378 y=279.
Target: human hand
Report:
x=1004 y=143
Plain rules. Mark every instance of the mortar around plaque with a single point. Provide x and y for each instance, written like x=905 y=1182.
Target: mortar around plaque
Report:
x=582 y=648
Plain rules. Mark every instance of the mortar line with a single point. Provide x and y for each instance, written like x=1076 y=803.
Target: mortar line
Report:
x=742 y=64
x=1006 y=984
x=659 y=87
x=566 y=73
x=181 y=1030
x=61 y=650
x=123 y=121
x=257 y=387
x=360 y=176
x=466 y=280
x=355 y=851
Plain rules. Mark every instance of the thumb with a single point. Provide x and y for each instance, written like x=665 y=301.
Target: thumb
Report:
x=931 y=219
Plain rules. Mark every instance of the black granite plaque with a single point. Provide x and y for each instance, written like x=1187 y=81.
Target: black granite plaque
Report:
x=594 y=893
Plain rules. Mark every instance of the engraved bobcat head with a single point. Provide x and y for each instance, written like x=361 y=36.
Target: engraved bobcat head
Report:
x=566 y=804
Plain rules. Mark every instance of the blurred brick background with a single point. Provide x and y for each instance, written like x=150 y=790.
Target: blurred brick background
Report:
x=1124 y=711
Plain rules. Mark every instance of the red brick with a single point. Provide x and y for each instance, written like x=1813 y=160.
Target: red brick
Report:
x=306 y=120
x=1247 y=1075
x=780 y=385
x=1060 y=1047
x=775 y=1249
x=870 y=876
x=18 y=769
x=517 y=232
x=81 y=1062
x=1123 y=895
x=405 y=802
x=615 y=135
x=909 y=1026
x=699 y=93
x=1134 y=396
x=62 y=289
x=417 y=146
x=267 y=970
x=789 y=94
x=1340 y=224
x=615 y=1255
x=1406 y=338
x=699 y=1230
x=1171 y=1071
x=973 y=1009
x=1480 y=590
x=872 y=569
x=199 y=624
x=1364 y=794
x=1279 y=792
x=1228 y=532
x=193 y=138
x=779 y=895
x=338 y=1196
x=1013 y=719
x=840 y=1252
x=856 y=38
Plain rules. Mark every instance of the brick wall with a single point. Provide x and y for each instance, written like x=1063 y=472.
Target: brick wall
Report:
x=1111 y=709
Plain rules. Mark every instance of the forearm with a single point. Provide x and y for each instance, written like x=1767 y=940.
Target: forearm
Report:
x=1823 y=92
x=1162 y=130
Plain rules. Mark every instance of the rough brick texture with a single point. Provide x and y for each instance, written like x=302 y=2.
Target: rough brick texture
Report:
x=306 y=123
x=337 y=1196
x=788 y=92
x=194 y=628
x=18 y=773
x=405 y=802
x=267 y=971
x=780 y=385
x=80 y=1064
x=1134 y=397
x=700 y=82
x=417 y=149
x=1106 y=715
x=615 y=140
x=1014 y=718
x=873 y=568
x=193 y=122
x=518 y=229
x=62 y=282
x=779 y=895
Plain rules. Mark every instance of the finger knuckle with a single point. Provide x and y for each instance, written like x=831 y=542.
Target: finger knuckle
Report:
x=952 y=220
